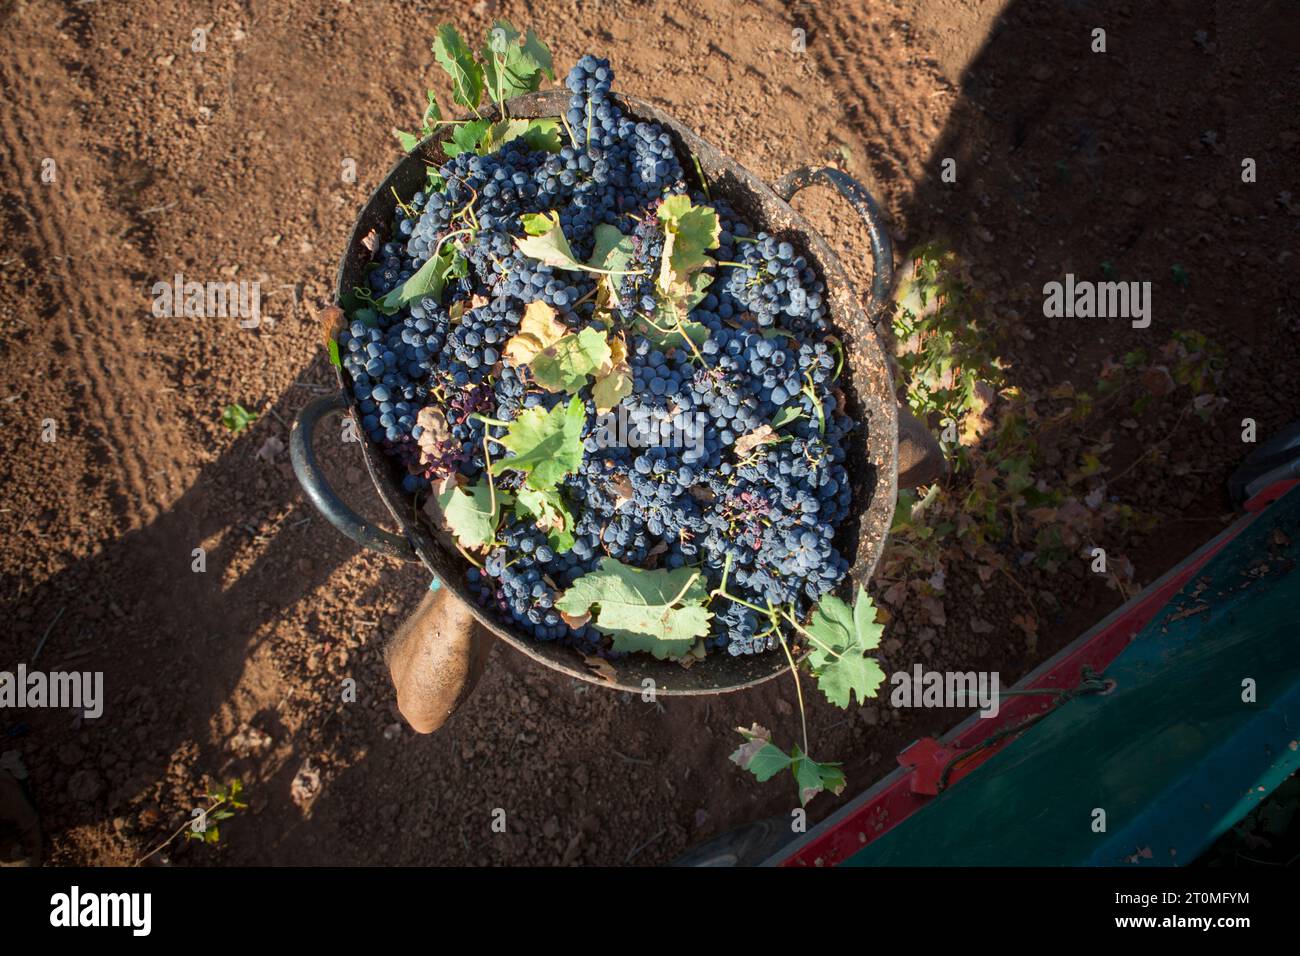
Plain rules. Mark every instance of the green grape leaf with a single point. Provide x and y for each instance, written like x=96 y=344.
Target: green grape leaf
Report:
x=454 y=56
x=813 y=777
x=539 y=53
x=660 y=611
x=667 y=332
x=546 y=445
x=472 y=514
x=765 y=760
x=689 y=231
x=428 y=280
x=841 y=638
x=787 y=415
x=432 y=113
x=457 y=267
x=541 y=134
x=510 y=69
x=333 y=349
x=539 y=223
x=759 y=755
x=545 y=241
x=465 y=137
x=864 y=621
x=498 y=134
x=500 y=37
x=565 y=365
x=546 y=509
x=672 y=309
x=612 y=251
x=561 y=541
x=236 y=418
x=407 y=140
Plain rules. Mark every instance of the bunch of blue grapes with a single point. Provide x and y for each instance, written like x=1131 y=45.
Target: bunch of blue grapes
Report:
x=677 y=484
x=774 y=282
x=636 y=290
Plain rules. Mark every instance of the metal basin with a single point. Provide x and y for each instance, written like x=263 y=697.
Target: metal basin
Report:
x=867 y=384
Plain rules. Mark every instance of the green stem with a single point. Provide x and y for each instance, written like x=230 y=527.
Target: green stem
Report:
x=501 y=102
x=839 y=356
x=443 y=241
x=800 y=628
x=569 y=129
x=798 y=690
x=681 y=330
x=490 y=421
x=410 y=212
x=811 y=391
x=699 y=171
x=735 y=600
x=487 y=468
x=680 y=594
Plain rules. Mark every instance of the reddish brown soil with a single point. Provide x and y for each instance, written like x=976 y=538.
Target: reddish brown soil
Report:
x=228 y=164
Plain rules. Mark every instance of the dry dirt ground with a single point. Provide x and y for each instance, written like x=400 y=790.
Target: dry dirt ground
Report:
x=229 y=164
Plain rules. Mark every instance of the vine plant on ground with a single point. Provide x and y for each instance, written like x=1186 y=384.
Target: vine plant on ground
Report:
x=1031 y=485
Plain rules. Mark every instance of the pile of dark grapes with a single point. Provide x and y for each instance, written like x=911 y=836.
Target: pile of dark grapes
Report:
x=772 y=511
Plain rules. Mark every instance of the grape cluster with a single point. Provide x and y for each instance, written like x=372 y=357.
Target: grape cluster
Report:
x=776 y=283
x=673 y=488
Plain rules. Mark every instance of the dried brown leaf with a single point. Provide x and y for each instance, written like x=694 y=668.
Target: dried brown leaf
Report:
x=603 y=668
x=762 y=435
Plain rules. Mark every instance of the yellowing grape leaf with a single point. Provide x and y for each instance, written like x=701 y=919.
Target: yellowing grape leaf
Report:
x=564 y=365
x=762 y=435
x=538 y=329
x=614 y=378
x=545 y=241
x=689 y=231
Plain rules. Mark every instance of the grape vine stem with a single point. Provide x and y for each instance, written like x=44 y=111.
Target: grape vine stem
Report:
x=800 y=628
x=798 y=690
